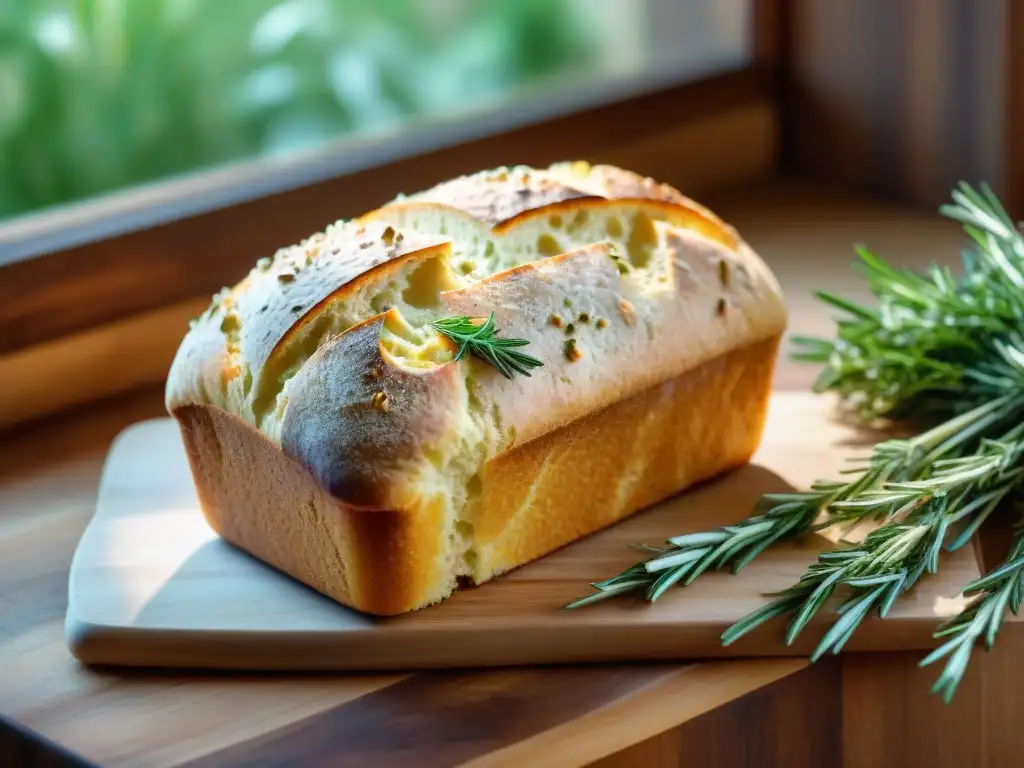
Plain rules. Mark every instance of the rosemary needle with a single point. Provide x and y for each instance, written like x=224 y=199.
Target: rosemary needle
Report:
x=994 y=593
x=941 y=352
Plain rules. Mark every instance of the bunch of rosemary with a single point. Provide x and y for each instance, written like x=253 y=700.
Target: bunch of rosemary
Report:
x=939 y=351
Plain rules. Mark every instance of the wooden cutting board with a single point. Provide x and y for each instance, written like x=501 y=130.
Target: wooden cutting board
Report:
x=152 y=585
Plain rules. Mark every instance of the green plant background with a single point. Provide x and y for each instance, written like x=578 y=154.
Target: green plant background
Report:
x=96 y=95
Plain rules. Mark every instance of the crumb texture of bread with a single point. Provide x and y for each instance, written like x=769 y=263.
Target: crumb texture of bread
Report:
x=321 y=371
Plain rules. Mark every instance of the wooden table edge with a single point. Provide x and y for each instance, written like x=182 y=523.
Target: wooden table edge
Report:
x=679 y=697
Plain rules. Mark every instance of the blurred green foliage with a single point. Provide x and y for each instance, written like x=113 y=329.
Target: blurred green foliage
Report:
x=96 y=95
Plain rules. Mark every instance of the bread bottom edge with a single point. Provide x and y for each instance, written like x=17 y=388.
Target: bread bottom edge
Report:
x=528 y=502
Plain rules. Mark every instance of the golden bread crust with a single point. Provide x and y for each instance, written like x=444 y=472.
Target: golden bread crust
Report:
x=246 y=330
x=359 y=435
x=264 y=502
x=530 y=501
x=497 y=195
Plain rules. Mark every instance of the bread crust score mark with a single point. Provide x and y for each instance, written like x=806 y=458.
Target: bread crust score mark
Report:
x=328 y=352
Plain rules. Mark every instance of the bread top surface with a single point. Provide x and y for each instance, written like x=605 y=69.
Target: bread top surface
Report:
x=616 y=281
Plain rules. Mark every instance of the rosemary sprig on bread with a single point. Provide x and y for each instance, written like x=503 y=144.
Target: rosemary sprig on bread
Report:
x=938 y=350
x=479 y=338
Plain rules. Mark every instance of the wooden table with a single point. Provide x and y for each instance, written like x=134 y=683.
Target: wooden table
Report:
x=860 y=710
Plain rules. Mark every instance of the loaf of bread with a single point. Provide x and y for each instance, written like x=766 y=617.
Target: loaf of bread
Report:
x=336 y=434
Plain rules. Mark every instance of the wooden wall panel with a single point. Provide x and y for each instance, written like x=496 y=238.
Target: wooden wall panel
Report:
x=1013 y=119
x=904 y=98
x=771 y=24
